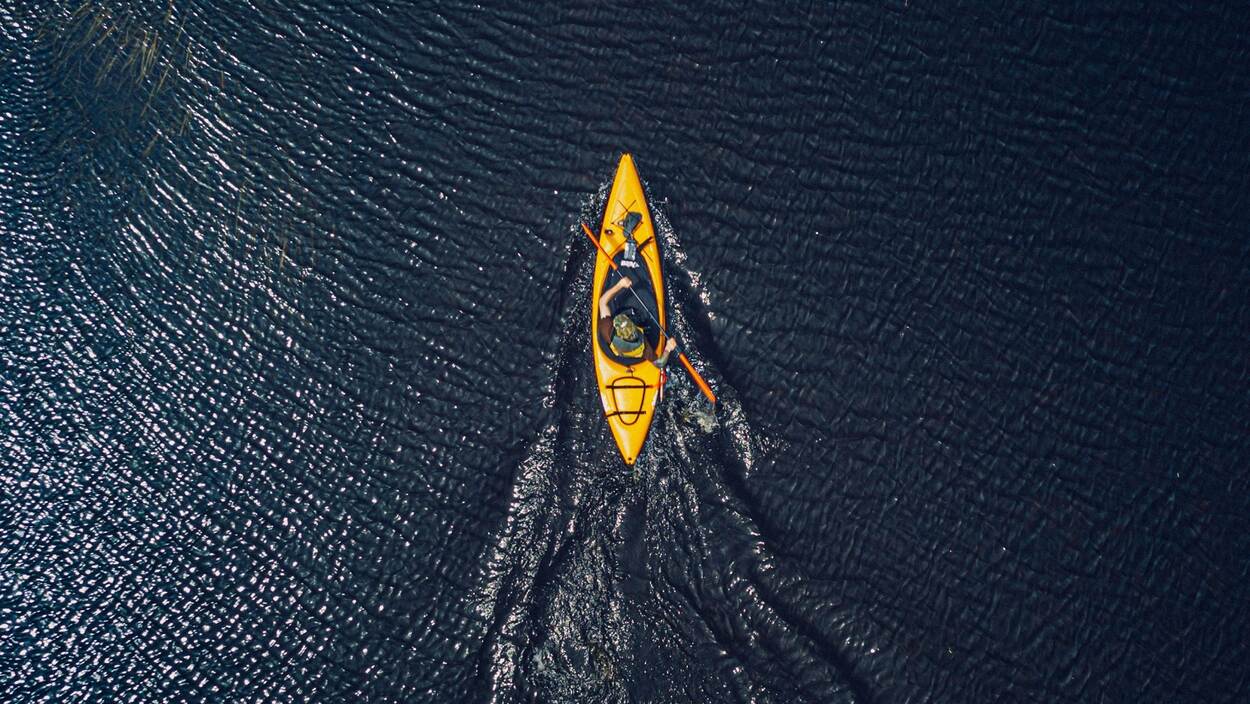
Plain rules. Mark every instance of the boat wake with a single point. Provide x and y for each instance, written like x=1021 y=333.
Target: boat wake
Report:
x=656 y=583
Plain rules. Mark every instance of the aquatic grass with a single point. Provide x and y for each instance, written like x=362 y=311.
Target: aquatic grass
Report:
x=151 y=144
x=156 y=90
x=134 y=56
x=129 y=73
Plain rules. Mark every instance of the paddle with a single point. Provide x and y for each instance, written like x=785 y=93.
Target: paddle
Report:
x=685 y=362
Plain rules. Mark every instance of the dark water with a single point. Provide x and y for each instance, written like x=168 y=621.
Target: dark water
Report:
x=296 y=399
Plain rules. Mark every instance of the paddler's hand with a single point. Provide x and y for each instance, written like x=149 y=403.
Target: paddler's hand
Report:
x=669 y=346
x=608 y=295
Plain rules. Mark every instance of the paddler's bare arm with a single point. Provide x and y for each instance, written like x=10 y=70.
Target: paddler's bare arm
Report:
x=608 y=295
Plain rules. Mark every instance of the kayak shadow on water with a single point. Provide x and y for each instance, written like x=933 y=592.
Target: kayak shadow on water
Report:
x=607 y=583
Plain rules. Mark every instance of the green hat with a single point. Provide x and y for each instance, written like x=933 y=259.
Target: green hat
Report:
x=625 y=328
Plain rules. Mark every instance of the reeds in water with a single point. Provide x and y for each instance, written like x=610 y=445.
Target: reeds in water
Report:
x=139 y=62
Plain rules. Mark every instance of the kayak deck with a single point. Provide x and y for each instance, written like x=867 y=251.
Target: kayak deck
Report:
x=629 y=392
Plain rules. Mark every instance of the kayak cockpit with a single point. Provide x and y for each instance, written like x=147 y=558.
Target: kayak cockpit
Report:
x=641 y=308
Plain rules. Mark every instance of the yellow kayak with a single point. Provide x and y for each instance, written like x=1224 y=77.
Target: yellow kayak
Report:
x=629 y=388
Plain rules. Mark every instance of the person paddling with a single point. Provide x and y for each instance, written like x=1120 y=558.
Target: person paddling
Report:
x=624 y=336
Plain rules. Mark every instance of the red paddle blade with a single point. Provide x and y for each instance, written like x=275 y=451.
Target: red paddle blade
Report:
x=707 y=390
x=598 y=246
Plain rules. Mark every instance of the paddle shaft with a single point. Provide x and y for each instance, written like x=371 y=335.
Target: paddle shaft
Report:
x=685 y=362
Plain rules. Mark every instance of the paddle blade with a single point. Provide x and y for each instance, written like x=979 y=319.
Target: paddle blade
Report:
x=707 y=390
x=598 y=246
